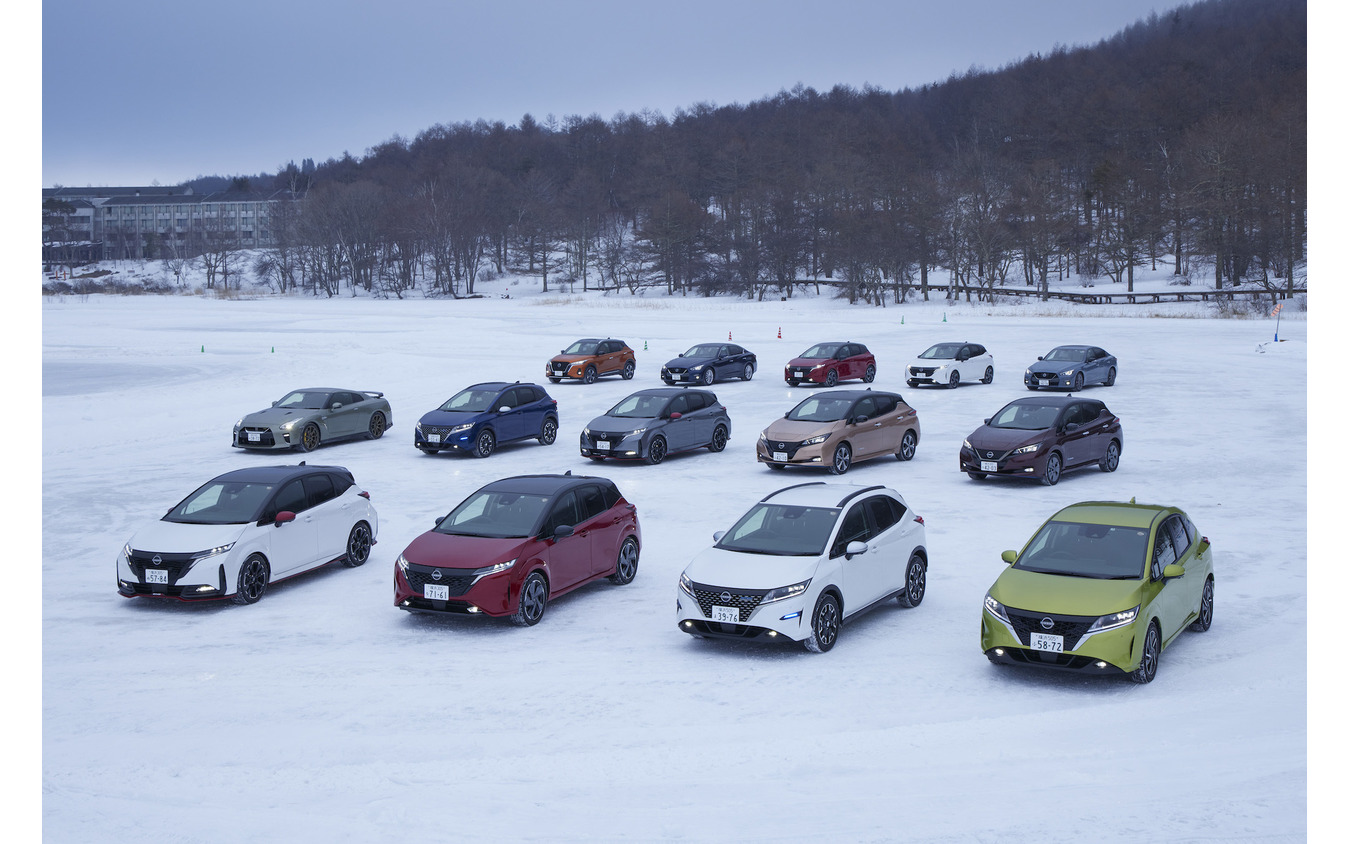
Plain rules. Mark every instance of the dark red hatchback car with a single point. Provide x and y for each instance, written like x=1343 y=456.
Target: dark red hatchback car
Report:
x=1041 y=438
x=516 y=544
x=830 y=363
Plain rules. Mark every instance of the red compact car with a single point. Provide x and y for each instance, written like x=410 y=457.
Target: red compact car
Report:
x=517 y=543
x=830 y=363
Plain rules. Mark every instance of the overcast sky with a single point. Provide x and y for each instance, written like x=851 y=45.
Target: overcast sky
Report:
x=140 y=91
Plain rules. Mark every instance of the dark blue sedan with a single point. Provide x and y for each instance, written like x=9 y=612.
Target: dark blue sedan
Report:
x=1071 y=368
x=479 y=418
x=709 y=362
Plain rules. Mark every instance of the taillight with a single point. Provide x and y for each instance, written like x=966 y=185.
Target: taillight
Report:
x=364 y=494
x=918 y=518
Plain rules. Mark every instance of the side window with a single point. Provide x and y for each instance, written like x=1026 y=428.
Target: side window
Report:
x=529 y=394
x=885 y=512
x=978 y=350
x=564 y=513
x=592 y=502
x=318 y=488
x=1164 y=554
x=610 y=347
x=854 y=527
x=341 y=483
x=884 y=404
x=1180 y=541
x=510 y=398
x=291 y=497
x=865 y=408
x=680 y=404
x=611 y=495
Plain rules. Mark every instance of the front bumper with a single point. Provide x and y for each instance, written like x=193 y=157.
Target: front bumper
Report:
x=259 y=438
x=802 y=374
x=927 y=375
x=491 y=595
x=1031 y=465
x=1108 y=652
x=630 y=447
x=1048 y=380
x=786 y=619
x=204 y=580
x=806 y=455
x=432 y=441
x=681 y=376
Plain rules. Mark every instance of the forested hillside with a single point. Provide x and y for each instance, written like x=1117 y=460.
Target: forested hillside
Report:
x=1182 y=139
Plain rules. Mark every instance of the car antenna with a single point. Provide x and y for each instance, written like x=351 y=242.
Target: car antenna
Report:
x=568 y=472
x=302 y=462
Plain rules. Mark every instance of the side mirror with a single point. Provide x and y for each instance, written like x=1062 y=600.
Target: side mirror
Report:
x=854 y=548
x=1040 y=357
x=1173 y=570
x=283 y=517
x=503 y=409
x=562 y=531
x=717 y=537
x=275 y=403
x=1070 y=426
x=857 y=420
x=987 y=420
x=785 y=415
x=1009 y=557
x=674 y=415
x=335 y=405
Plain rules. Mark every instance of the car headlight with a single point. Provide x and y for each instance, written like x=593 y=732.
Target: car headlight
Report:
x=126 y=552
x=1028 y=372
x=785 y=592
x=763 y=437
x=1067 y=372
x=402 y=563
x=1114 y=620
x=1027 y=449
x=459 y=429
x=211 y=552
x=966 y=444
x=819 y=365
x=496 y=568
x=635 y=432
x=238 y=424
x=686 y=584
x=816 y=440
x=286 y=426
x=995 y=609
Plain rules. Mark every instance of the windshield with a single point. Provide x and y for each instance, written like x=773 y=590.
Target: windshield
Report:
x=942 y=351
x=582 y=347
x=471 y=400
x=1026 y=417
x=1078 y=550
x=704 y=350
x=307 y=399
x=1065 y=353
x=822 y=350
x=495 y=514
x=639 y=407
x=222 y=503
x=820 y=410
x=782 y=530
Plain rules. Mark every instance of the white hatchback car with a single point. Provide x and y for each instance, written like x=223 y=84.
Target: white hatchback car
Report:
x=802 y=561
x=249 y=528
x=948 y=364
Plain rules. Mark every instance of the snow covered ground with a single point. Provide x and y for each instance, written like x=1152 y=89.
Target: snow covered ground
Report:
x=323 y=713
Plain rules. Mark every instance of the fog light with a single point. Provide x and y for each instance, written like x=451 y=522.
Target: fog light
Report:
x=998 y=652
x=1101 y=665
x=472 y=608
x=791 y=615
x=688 y=625
x=205 y=589
x=773 y=633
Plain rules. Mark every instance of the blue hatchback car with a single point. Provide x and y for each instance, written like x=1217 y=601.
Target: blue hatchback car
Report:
x=479 y=418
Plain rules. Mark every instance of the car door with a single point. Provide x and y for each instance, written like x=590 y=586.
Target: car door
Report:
x=1074 y=436
x=569 y=557
x=1187 y=546
x=679 y=433
x=610 y=358
x=510 y=419
x=889 y=547
x=865 y=431
x=857 y=580
x=340 y=417
x=326 y=516
x=603 y=528
x=1171 y=603
x=291 y=546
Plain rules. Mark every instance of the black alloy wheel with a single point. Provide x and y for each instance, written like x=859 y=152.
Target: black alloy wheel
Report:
x=831 y=378
x=485 y=444
x=1148 y=661
x=309 y=438
x=377 y=425
x=988 y=375
x=533 y=601
x=656 y=452
x=916 y=582
x=1053 y=466
x=824 y=624
x=625 y=568
x=719 y=439
x=1205 y=616
x=254 y=576
x=358 y=545
x=548 y=433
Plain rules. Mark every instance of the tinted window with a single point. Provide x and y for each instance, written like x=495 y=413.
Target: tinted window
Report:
x=564 y=513
x=591 y=501
x=510 y=398
x=318 y=488
x=885 y=404
x=885 y=512
x=853 y=528
x=292 y=497
x=679 y=404
x=1180 y=541
x=611 y=494
x=341 y=483
x=865 y=408
x=1164 y=553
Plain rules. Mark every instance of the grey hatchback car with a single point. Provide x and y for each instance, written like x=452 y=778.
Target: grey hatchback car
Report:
x=650 y=424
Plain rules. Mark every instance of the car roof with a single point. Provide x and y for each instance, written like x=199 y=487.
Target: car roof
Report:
x=822 y=494
x=1074 y=346
x=489 y=385
x=852 y=395
x=1052 y=401
x=1116 y=513
x=668 y=392
x=277 y=474
x=542 y=484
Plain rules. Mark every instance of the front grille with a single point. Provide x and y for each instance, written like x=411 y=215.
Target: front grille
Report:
x=990 y=454
x=924 y=371
x=744 y=600
x=1071 y=627
x=558 y=366
x=176 y=565
x=459 y=580
x=442 y=430
x=612 y=439
x=677 y=370
x=1050 y=379
x=788 y=448
x=265 y=437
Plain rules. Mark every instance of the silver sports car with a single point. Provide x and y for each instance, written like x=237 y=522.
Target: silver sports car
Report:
x=305 y=418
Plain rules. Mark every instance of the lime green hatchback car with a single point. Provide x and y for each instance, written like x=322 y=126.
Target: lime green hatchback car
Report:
x=1103 y=587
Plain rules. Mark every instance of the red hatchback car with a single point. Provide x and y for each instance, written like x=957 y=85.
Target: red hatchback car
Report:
x=830 y=363
x=516 y=544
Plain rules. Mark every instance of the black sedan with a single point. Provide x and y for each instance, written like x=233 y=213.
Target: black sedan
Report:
x=650 y=424
x=709 y=362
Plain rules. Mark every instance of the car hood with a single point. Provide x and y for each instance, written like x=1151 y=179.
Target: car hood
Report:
x=178 y=538
x=689 y=362
x=933 y=362
x=1063 y=595
x=789 y=430
x=450 y=418
x=462 y=552
x=1054 y=365
x=805 y=362
x=1003 y=439
x=621 y=425
x=738 y=570
x=571 y=358
x=277 y=415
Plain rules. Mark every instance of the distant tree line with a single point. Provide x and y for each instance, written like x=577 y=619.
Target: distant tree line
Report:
x=1181 y=139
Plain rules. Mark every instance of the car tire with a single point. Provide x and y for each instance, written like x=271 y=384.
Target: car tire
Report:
x=1032 y=387
x=426 y=450
x=1205 y=615
x=589 y=376
x=909 y=444
x=533 y=601
x=1111 y=459
x=670 y=382
x=954 y=381
x=309 y=438
x=485 y=444
x=377 y=425
x=719 y=439
x=842 y=459
x=831 y=378
x=1148 y=661
x=793 y=382
x=748 y=372
x=976 y=476
x=628 y=369
x=597 y=458
x=656 y=452
x=254 y=577
x=1077 y=383
x=916 y=583
x=913 y=384
x=1054 y=467
x=988 y=375
x=1110 y=377
x=548 y=432
x=358 y=545
x=625 y=568
x=708 y=377
x=553 y=380
x=871 y=374
x=825 y=622
x=777 y=467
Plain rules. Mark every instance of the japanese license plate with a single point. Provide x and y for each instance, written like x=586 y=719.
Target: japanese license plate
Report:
x=988 y=466
x=728 y=614
x=780 y=456
x=156 y=576
x=433 y=592
x=602 y=445
x=1045 y=382
x=433 y=438
x=1046 y=642
x=254 y=436
x=801 y=373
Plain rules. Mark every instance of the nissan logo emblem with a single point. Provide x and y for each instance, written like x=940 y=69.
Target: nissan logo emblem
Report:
x=156 y=559
x=782 y=445
x=436 y=574
x=989 y=454
x=726 y=597
x=1047 y=623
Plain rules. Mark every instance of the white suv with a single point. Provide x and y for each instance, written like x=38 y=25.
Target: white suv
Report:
x=948 y=364
x=801 y=562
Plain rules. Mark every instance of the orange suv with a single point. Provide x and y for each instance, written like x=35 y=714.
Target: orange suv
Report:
x=588 y=359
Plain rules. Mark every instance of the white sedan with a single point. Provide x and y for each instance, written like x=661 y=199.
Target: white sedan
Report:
x=948 y=364
x=246 y=529
x=801 y=562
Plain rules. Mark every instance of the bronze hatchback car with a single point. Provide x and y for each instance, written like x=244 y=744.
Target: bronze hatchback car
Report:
x=835 y=429
x=1040 y=438
x=586 y=360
